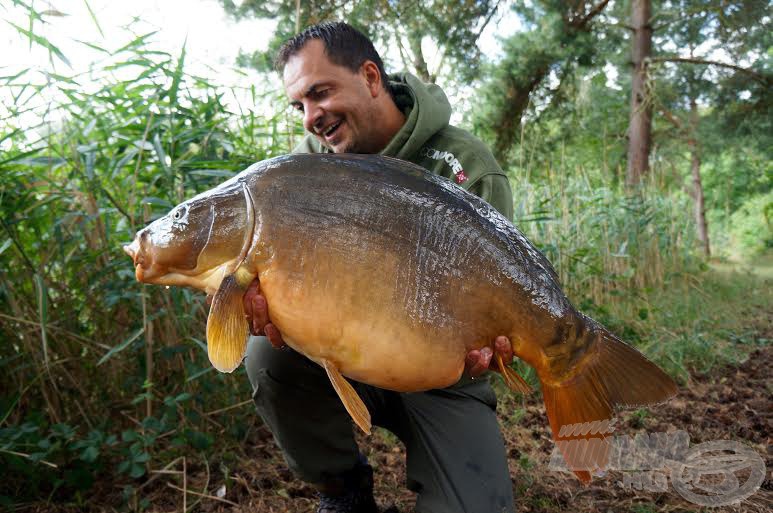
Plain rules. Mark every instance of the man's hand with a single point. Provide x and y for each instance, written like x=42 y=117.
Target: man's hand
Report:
x=478 y=360
x=256 y=311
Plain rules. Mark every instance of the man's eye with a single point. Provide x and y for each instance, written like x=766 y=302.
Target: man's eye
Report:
x=298 y=107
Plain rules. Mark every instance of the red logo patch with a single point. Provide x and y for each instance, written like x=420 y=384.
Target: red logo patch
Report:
x=461 y=177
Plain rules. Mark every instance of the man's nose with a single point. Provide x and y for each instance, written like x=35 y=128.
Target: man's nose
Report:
x=312 y=116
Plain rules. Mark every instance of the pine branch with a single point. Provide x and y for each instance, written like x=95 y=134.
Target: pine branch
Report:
x=490 y=15
x=757 y=76
x=595 y=11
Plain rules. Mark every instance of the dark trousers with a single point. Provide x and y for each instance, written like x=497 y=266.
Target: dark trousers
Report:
x=455 y=452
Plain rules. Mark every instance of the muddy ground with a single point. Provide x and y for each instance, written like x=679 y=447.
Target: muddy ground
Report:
x=731 y=403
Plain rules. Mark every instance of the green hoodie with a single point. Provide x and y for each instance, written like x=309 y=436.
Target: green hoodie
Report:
x=428 y=140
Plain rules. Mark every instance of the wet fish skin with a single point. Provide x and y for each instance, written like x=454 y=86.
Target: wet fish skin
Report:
x=381 y=271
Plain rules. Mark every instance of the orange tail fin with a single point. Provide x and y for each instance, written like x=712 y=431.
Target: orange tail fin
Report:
x=612 y=374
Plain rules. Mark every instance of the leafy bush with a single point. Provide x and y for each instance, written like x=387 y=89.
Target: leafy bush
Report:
x=102 y=374
x=751 y=226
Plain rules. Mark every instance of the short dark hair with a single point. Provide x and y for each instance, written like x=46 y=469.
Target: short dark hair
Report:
x=344 y=45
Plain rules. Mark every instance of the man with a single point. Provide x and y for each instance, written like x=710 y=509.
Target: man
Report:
x=455 y=453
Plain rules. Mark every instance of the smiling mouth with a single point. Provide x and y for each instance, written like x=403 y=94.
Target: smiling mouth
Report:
x=331 y=130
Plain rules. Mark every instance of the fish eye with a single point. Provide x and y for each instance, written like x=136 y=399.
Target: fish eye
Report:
x=178 y=214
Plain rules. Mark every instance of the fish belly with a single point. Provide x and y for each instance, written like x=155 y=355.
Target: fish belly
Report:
x=350 y=322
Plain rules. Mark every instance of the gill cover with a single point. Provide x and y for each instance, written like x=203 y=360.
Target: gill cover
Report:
x=227 y=328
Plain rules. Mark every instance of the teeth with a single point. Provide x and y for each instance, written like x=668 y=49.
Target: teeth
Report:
x=330 y=130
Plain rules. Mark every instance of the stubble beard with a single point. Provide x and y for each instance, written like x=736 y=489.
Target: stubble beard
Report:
x=351 y=147
x=360 y=144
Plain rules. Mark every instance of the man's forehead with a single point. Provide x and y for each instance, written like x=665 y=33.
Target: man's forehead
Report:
x=308 y=67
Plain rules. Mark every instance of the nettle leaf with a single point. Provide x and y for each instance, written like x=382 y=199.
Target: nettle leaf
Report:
x=142 y=457
x=90 y=454
x=137 y=471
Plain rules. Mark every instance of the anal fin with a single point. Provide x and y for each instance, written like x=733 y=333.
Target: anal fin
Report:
x=348 y=395
x=513 y=380
x=227 y=328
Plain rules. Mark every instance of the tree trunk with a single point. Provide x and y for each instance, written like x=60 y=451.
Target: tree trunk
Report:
x=419 y=63
x=509 y=117
x=518 y=85
x=697 y=187
x=640 y=127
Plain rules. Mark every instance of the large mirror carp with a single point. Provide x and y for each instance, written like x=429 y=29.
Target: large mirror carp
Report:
x=384 y=273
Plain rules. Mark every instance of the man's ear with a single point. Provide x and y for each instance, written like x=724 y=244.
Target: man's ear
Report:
x=372 y=76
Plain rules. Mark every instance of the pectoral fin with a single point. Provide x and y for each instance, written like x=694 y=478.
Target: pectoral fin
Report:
x=227 y=328
x=513 y=380
x=349 y=397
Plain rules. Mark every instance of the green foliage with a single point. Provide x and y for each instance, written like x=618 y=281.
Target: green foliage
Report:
x=67 y=460
x=628 y=262
x=79 y=177
x=402 y=23
x=558 y=38
x=47 y=459
x=751 y=226
x=601 y=240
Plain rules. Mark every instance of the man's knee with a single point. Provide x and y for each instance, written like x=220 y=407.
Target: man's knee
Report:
x=296 y=401
x=456 y=453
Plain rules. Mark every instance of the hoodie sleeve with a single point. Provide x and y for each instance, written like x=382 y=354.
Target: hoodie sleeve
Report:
x=494 y=188
x=464 y=159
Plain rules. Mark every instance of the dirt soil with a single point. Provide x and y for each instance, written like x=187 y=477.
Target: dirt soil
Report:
x=732 y=403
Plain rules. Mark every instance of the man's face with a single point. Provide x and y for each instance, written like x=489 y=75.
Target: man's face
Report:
x=338 y=106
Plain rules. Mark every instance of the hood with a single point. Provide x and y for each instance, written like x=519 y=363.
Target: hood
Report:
x=427 y=111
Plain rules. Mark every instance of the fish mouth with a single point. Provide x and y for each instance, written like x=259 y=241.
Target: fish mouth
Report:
x=144 y=270
x=135 y=253
x=207 y=281
x=132 y=250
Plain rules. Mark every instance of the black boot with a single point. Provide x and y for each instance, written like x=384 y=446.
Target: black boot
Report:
x=351 y=492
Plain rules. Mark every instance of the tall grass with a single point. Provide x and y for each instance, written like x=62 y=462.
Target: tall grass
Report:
x=630 y=261
x=87 y=352
x=602 y=240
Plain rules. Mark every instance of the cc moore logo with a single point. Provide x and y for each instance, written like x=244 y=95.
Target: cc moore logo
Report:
x=449 y=159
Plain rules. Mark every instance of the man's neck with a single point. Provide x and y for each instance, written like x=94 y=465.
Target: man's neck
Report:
x=391 y=121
